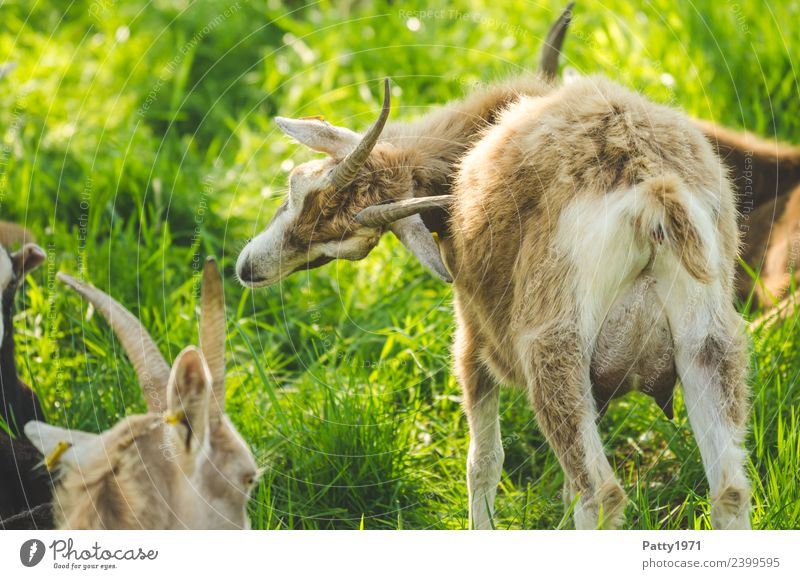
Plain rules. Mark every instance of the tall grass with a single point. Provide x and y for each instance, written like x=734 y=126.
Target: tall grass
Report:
x=138 y=140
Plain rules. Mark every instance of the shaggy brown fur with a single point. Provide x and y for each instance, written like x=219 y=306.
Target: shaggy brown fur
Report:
x=588 y=139
x=189 y=468
x=418 y=157
x=766 y=175
x=553 y=362
x=120 y=490
x=515 y=157
x=684 y=239
x=152 y=471
x=408 y=158
x=723 y=357
x=767 y=179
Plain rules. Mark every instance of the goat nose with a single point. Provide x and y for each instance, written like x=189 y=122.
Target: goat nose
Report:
x=246 y=272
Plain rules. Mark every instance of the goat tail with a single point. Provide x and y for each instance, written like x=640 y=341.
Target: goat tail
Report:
x=669 y=221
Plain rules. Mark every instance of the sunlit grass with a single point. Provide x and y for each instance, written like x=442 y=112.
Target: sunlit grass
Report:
x=135 y=142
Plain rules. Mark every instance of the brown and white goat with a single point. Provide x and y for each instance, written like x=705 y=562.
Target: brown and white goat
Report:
x=25 y=487
x=582 y=216
x=181 y=465
x=766 y=175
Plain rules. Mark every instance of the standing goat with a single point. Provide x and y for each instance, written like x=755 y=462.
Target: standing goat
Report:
x=25 y=490
x=181 y=465
x=581 y=216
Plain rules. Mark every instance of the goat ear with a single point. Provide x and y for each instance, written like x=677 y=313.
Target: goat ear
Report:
x=412 y=233
x=320 y=136
x=188 y=395
x=27 y=259
x=62 y=446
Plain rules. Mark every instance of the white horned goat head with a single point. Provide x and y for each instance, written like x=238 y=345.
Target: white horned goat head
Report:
x=181 y=465
x=316 y=224
x=401 y=172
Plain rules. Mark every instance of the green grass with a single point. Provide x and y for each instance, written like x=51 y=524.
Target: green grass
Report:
x=135 y=142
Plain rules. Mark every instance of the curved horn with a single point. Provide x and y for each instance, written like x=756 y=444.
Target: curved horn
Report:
x=384 y=214
x=345 y=172
x=551 y=49
x=151 y=368
x=212 y=329
x=13 y=234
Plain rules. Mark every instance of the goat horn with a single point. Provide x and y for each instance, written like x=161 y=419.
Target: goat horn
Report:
x=551 y=49
x=151 y=368
x=385 y=213
x=346 y=171
x=13 y=234
x=212 y=328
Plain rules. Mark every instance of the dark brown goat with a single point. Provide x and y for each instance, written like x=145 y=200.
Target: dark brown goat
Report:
x=767 y=179
x=25 y=486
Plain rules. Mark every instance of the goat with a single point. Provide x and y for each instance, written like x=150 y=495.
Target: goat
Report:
x=181 y=465
x=525 y=312
x=767 y=179
x=25 y=488
x=572 y=205
x=767 y=176
x=20 y=403
x=415 y=162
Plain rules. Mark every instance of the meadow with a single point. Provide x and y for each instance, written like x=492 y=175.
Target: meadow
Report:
x=138 y=138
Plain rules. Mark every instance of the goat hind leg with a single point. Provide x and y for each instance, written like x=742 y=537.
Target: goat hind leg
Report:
x=711 y=358
x=485 y=457
x=712 y=364
x=557 y=371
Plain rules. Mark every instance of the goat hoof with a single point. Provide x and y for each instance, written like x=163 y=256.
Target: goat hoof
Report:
x=606 y=510
x=730 y=509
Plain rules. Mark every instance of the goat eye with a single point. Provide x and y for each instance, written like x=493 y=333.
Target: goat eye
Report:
x=249 y=479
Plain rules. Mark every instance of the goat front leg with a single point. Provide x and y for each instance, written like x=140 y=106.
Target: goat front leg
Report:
x=711 y=358
x=481 y=405
x=557 y=371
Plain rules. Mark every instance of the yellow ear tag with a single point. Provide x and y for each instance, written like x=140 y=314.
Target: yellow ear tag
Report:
x=52 y=459
x=314 y=118
x=174 y=418
x=435 y=237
